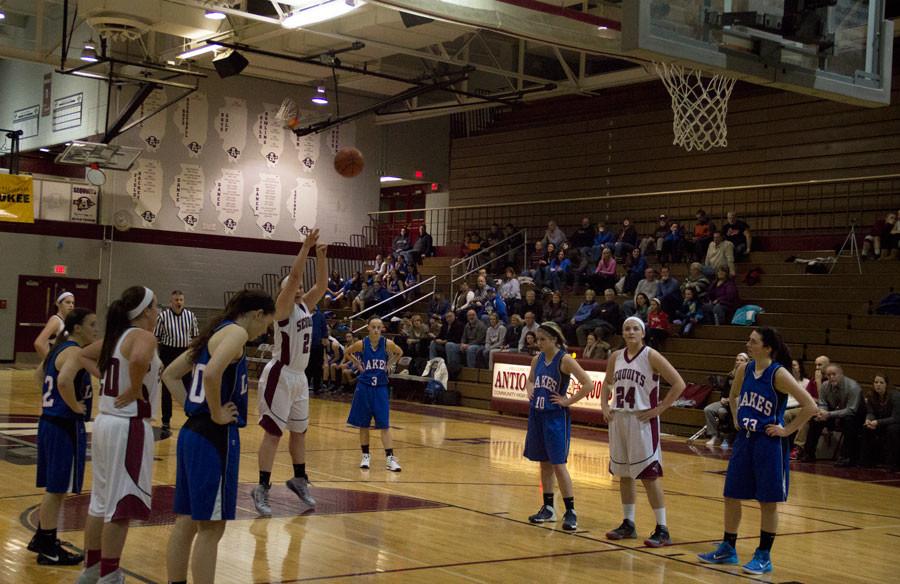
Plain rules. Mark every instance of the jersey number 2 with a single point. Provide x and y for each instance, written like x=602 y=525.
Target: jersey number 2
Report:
x=48 y=401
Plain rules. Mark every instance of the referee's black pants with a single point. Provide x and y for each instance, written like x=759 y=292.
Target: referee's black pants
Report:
x=168 y=354
x=315 y=366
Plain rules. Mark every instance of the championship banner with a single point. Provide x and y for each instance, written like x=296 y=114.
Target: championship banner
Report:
x=16 y=198
x=508 y=393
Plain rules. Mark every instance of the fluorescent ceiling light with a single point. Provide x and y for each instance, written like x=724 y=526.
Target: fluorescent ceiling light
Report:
x=2 y=15
x=386 y=179
x=603 y=27
x=198 y=51
x=214 y=15
x=44 y=149
x=326 y=10
x=91 y=75
x=320 y=98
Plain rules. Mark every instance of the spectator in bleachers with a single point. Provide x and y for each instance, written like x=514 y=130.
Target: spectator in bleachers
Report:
x=799 y=372
x=401 y=242
x=480 y=294
x=841 y=408
x=553 y=235
x=335 y=290
x=451 y=332
x=510 y=291
x=379 y=294
x=585 y=318
x=494 y=340
x=604 y=239
x=657 y=324
x=635 y=267
x=412 y=278
x=722 y=299
x=690 y=314
x=738 y=233
x=818 y=379
x=673 y=245
x=529 y=326
x=642 y=306
x=438 y=306
x=649 y=286
x=470 y=344
x=881 y=430
x=394 y=283
x=401 y=266
x=654 y=243
x=793 y=407
x=378 y=268
x=626 y=240
x=881 y=241
x=494 y=305
x=463 y=298
x=606 y=273
x=594 y=347
x=363 y=298
x=513 y=333
x=530 y=346
x=416 y=333
x=560 y=271
x=583 y=240
x=532 y=305
x=703 y=230
x=719 y=253
x=697 y=280
x=537 y=262
x=556 y=310
x=718 y=411
x=669 y=290
x=421 y=248
x=610 y=313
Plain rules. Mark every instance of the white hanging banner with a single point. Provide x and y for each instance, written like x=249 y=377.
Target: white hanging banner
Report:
x=145 y=184
x=187 y=192
x=84 y=204
x=227 y=196
x=231 y=125
x=270 y=135
x=302 y=204
x=153 y=129
x=191 y=119
x=266 y=203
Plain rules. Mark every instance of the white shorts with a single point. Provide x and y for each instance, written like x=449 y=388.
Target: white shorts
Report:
x=122 y=464
x=283 y=399
x=634 y=450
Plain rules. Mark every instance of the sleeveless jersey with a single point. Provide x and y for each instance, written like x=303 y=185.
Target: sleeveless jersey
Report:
x=61 y=326
x=293 y=339
x=374 y=362
x=548 y=379
x=635 y=384
x=759 y=403
x=233 y=389
x=116 y=381
x=52 y=401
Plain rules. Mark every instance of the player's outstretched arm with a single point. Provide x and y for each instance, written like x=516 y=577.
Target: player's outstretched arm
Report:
x=314 y=294
x=284 y=304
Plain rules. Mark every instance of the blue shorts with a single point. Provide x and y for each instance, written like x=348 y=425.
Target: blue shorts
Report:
x=62 y=448
x=548 y=436
x=759 y=468
x=206 y=479
x=370 y=402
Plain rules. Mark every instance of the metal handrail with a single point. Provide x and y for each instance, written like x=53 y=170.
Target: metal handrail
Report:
x=404 y=307
x=453 y=280
x=484 y=249
x=386 y=300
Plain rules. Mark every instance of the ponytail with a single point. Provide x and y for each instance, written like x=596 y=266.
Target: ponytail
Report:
x=241 y=303
x=74 y=318
x=117 y=322
x=771 y=338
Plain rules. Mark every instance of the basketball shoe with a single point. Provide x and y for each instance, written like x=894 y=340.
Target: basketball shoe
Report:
x=260 y=496
x=570 y=521
x=760 y=564
x=89 y=575
x=391 y=464
x=624 y=531
x=300 y=487
x=545 y=514
x=659 y=538
x=56 y=555
x=117 y=577
x=365 y=462
x=724 y=554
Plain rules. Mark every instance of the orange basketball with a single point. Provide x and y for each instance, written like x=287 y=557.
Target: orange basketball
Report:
x=348 y=162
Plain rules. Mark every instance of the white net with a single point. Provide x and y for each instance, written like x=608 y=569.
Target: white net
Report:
x=699 y=106
x=288 y=113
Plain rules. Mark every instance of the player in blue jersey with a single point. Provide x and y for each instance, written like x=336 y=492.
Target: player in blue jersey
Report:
x=549 y=423
x=62 y=440
x=206 y=480
x=376 y=356
x=760 y=460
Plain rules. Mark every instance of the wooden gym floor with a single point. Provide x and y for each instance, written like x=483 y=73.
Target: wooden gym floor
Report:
x=458 y=511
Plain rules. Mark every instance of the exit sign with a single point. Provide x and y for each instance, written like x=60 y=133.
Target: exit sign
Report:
x=59 y=269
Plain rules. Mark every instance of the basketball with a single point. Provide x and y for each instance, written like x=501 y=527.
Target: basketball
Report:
x=348 y=162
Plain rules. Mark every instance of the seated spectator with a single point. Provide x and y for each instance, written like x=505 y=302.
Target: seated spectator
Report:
x=379 y=294
x=654 y=243
x=529 y=344
x=841 y=408
x=585 y=318
x=657 y=324
x=610 y=313
x=438 y=306
x=722 y=299
x=346 y=372
x=423 y=247
x=697 y=280
x=560 y=271
x=412 y=278
x=595 y=348
x=642 y=306
x=719 y=254
x=604 y=239
x=649 y=286
x=818 y=379
x=537 y=261
x=703 y=230
x=635 y=268
x=401 y=242
x=882 y=241
x=463 y=298
x=626 y=240
x=553 y=235
x=510 y=291
x=690 y=314
x=529 y=326
x=881 y=430
x=510 y=340
x=401 y=267
x=669 y=290
x=394 y=283
x=738 y=233
x=793 y=406
x=673 y=245
x=582 y=240
x=494 y=305
x=417 y=338
x=480 y=294
x=494 y=339
x=353 y=286
x=556 y=310
x=531 y=304
x=605 y=274
x=451 y=332
x=719 y=411
x=335 y=291
x=378 y=268
x=470 y=344
x=363 y=298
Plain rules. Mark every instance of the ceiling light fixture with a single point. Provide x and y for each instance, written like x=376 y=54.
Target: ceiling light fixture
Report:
x=44 y=149
x=603 y=27
x=2 y=15
x=201 y=50
x=326 y=10
x=387 y=179
x=320 y=98
x=89 y=52
x=214 y=15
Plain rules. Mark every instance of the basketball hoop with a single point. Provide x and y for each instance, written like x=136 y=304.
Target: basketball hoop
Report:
x=699 y=106
x=288 y=114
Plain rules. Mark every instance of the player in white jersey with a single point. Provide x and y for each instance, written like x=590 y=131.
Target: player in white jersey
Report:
x=283 y=389
x=631 y=406
x=65 y=303
x=122 y=442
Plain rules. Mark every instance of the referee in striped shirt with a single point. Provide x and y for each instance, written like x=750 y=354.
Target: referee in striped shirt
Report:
x=176 y=327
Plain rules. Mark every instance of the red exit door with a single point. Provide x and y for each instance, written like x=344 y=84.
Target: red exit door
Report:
x=36 y=301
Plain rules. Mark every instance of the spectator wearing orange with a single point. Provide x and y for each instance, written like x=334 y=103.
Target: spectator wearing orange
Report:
x=703 y=230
